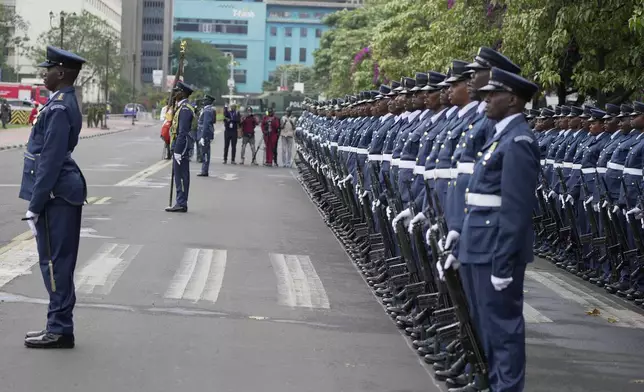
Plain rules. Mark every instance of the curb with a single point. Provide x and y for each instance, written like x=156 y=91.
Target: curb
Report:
x=23 y=145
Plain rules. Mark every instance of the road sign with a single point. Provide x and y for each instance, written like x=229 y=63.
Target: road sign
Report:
x=231 y=83
x=157 y=77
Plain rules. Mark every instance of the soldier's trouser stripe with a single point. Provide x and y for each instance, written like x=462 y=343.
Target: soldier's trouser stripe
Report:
x=105 y=267
x=298 y=284
x=199 y=276
x=609 y=310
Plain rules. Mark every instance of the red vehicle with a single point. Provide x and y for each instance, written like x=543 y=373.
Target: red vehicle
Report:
x=23 y=91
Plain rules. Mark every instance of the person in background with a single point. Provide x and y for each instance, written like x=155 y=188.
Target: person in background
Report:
x=248 y=124
x=231 y=122
x=270 y=129
x=286 y=138
x=33 y=114
x=5 y=114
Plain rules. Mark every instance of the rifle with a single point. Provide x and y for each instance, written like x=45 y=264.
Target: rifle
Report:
x=425 y=263
x=557 y=223
x=572 y=229
x=635 y=228
x=619 y=249
x=597 y=240
x=171 y=112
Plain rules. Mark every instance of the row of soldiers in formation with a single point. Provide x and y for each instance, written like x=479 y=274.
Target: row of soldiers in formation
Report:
x=443 y=169
x=96 y=113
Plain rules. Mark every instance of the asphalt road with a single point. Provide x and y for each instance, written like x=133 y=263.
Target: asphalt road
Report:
x=250 y=291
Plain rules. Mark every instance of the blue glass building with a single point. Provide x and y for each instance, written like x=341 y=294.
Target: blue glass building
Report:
x=261 y=34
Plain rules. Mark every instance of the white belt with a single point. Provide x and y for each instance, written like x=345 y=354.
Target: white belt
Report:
x=407 y=164
x=334 y=144
x=353 y=149
x=374 y=157
x=557 y=165
x=443 y=173
x=465 y=167
x=419 y=169
x=481 y=200
x=567 y=165
x=588 y=170
x=633 y=171
x=550 y=161
x=576 y=166
x=429 y=174
x=615 y=166
x=362 y=151
x=453 y=173
x=602 y=170
x=386 y=157
x=542 y=162
x=395 y=161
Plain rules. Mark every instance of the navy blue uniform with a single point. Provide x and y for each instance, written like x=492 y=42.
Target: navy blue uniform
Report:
x=185 y=114
x=55 y=188
x=207 y=133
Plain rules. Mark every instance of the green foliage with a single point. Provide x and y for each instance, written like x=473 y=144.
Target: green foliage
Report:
x=205 y=66
x=291 y=73
x=13 y=34
x=592 y=47
x=91 y=38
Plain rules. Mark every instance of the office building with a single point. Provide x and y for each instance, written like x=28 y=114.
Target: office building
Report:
x=261 y=35
x=146 y=38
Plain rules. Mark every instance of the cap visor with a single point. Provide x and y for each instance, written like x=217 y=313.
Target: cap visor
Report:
x=46 y=64
x=475 y=66
x=607 y=117
x=490 y=88
x=416 y=88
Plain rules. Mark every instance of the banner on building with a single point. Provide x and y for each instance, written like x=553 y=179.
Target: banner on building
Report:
x=157 y=77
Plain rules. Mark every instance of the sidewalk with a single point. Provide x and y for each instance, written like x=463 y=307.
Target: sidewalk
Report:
x=18 y=137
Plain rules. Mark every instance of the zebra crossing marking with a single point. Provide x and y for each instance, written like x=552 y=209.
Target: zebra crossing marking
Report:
x=298 y=284
x=105 y=267
x=18 y=257
x=138 y=179
x=98 y=200
x=104 y=200
x=199 y=276
x=533 y=316
x=610 y=311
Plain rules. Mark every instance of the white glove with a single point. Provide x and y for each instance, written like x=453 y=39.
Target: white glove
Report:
x=202 y=142
x=605 y=204
x=405 y=214
x=500 y=284
x=615 y=209
x=348 y=178
x=32 y=220
x=562 y=200
x=420 y=217
x=587 y=201
x=596 y=207
x=439 y=268
x=374 y=206
x=364 y=194
x=358 y=189
x=389 y=212
x=377 y=202
x=177 y=157
x=633 y=211
x=450 y=240
x=552 y=194
x=569 y=199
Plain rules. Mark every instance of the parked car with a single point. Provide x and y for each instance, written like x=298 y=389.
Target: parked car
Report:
x=131 y=109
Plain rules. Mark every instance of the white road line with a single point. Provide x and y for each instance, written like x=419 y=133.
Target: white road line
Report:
x=105 y=267
x=533 y=316
x=199 y=276
x=298 y=284
x=103 y=200
x=17 y=258
x=216 y=276
x=92 y=199
x=136 y=179
x=610 y=311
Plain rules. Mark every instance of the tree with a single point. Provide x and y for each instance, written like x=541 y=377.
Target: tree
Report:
x=91 y=38
x=291 y=73
x=13 y=34
x=205 y=66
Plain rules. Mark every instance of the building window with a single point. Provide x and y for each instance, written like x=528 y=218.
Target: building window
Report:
x=288 y=32
x=318 y=33
x=222 y=26
x=287 y=54
x=239 y=75
x=319 y=15
x=304 y=15
x=273 y=31
x=302 y=55
x=272 y=53
x=303 y=31
x=239 y=51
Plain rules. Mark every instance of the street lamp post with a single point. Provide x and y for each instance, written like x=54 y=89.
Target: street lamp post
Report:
x=61 y=24
x=134 y=84
x=231 y=79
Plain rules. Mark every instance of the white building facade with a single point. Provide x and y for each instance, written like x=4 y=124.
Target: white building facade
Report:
x=36 y=13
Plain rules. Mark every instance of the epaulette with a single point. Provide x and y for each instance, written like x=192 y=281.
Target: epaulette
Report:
x=523 y=138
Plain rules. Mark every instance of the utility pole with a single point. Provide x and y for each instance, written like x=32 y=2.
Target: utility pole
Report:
x=107 y=73
x=62 y=28
x=133 y=84
x=231 y=78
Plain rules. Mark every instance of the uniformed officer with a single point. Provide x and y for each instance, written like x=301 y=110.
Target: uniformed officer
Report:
x=206 y=131
x=55 y=188
x=181 y=126
x=496 y=239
